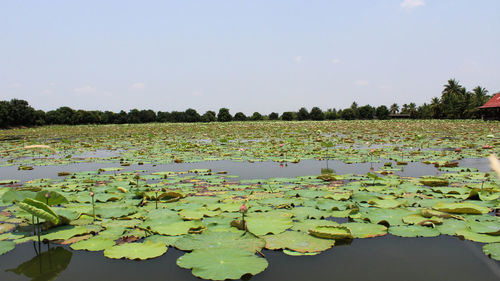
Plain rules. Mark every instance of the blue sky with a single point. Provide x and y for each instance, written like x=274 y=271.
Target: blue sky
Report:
x=272 y=55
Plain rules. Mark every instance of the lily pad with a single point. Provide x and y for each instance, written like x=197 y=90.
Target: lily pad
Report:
x=413 y=231
x=332 y=232
x=136 y=251
x=6 y=246
x=222 y=263
x=298 y=242
x=215 y=240
x=492 y=250
x=93 y=244
x=366 y=230
x=269 y=222
x=461 y=208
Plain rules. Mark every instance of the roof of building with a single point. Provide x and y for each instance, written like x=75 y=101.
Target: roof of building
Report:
x=493 y=102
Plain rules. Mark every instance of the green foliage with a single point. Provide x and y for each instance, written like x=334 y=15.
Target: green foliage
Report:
x=39 y=209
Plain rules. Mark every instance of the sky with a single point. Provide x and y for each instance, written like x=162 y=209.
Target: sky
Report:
x=259 y=55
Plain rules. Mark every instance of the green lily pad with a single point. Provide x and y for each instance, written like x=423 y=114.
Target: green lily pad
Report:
x=175 y=228
x=413 y=231
x=478 y=237
x=391 y=217
x=136 y=251
x=6 y=227
x=298 y=242
x=485 y=227
x=6 y=246
x=339 y=232
x=215 y=240
x=492 y=250
x=222 y=263
x=366 y=230
x=93 y=244
x=269 y=222
x=461 y=208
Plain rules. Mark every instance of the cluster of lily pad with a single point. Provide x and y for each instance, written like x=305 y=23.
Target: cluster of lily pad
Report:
x=430 y=141
x=139 y=215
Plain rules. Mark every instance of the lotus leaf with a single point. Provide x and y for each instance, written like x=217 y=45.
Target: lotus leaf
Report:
x=387 y=216
x=222 y=263
x=39 y=209
x=6 y=246
x=366 y=230
x=339 y=232
x=298 y=242
x=6 y=227
x=55 y=198
x=175 y=228
x=213 y=240
x=461 y=208
x=492 y=250
x=485 y=227
x=93 y=244
x=451 y=226
x=413 y=231
x=477 y=237
x=136 y=251
x=268 y=222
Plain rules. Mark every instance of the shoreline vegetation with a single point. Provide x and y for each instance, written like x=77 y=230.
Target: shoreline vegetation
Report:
x=455 y=103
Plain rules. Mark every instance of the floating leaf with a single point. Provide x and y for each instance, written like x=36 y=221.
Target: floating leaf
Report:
x=413 y=231
x=214 y=240
x=492 y=250
x=461 y=208
x=298 y=242
x=222 y=263
x=332 y=232
x=136 y=251
x=366 y=230
x=6 y=246
x=269 y=222
x=93 y=244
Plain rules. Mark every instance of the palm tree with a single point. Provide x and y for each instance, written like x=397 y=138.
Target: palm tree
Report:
x=436 y=108
x=394 y=108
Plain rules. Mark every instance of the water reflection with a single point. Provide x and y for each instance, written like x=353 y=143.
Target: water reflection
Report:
x=44 y=266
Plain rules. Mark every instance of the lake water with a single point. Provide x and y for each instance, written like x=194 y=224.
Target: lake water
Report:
x=382 y=258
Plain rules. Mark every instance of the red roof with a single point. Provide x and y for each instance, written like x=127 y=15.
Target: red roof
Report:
x=494 y=102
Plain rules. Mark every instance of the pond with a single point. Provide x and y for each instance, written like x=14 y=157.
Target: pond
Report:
x=388 y=257
x=359 y=200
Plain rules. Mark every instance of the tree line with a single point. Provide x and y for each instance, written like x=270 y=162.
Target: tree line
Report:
x=455 y=103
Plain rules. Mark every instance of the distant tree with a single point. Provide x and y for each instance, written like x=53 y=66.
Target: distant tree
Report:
x=256 y=116
x=273 y=116
x=20 y=112
x=382 y=112
x=178 y=116
x=366 y=112
x=192 y=116
x=134 y=116
x=240 y=116
x=163 y=116
x=288 y=116
x=39 y=118
x=209 y=116
x=62 y=115
x=224 y=115
x=147 y=116
x=424 y=111
x=316 y=114
x=347 y=114
x=303 y=114
x=355 y=111
x=331 y=114
x=5 y=118
x=435 y=106
x=394 y=109
x=121 y=117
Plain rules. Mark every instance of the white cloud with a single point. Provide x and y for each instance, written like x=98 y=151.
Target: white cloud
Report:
x=138 y=86
x=335 y=61
x=361 y=83
x=410 y=4
x=87 y=89
x=298 y=59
